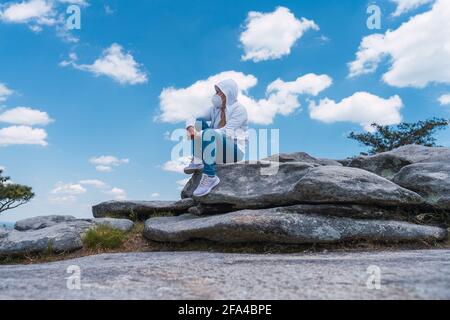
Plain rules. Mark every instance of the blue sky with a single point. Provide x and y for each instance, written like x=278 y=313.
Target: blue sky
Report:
x=106 y=130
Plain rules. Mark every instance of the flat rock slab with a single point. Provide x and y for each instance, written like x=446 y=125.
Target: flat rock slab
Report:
x=331 y=184
x=52 y=233
x=62 y=237
x=247 y=186
x=387 y=164
x=280 y=226
x=430 y=180
x=118 y=224
x=252 y=179
x=140 y=209
x=41 y=222
x=422 y=274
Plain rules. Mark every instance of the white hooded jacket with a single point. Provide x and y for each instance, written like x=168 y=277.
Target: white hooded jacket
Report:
x=236 y=127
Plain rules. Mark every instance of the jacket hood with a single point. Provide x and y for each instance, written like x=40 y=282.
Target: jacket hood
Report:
x=230 y=88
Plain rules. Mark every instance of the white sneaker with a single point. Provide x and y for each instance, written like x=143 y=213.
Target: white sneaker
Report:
x=206 y=185
x=193 y=168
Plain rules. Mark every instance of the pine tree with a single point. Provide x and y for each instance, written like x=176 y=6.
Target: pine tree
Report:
x=13 y=195
x=386 y=138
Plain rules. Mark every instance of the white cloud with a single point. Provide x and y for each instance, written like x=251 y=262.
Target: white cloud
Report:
x=5 y=92
x=82 y=3
x=72 y=189
x=37 y=14
x=269 y=36
x=404 y=6
x=37 y=11
x=155 y=195
x=117 y=193
x=94 y=183
x=362 y=108
x=106 y=163
x=108 y=160
x=419 y=50
x=282 y=97
x=72 y=58
x=444 y=99
x=69 y=192
x=25 y=116
x=178 y=105
x=176 y=165
x=101 y=168
x=21 y=135
x=113 y=63
x=310 y=84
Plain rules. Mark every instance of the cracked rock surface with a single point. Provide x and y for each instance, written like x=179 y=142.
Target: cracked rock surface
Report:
x=422 y=274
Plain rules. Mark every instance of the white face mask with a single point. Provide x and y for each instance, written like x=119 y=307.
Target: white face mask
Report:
x=217 y=101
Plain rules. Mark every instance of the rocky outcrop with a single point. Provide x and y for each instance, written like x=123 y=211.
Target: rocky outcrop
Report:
x=140 y=210
x=301 y=157
x=41 y=222
x=331 y=184
x=387 y=164
x=52 y=233
x=62 y=237
x=291 y=198
x=430 y=180
x=295 y=198
x=253 y=178
x=280 y=226
x=118 y=224
x=4 y=232
x=244 y=187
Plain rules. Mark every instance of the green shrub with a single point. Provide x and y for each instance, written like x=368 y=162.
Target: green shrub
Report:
x=104 y=237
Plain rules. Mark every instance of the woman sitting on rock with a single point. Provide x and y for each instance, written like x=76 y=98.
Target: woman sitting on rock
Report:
x=223 y=140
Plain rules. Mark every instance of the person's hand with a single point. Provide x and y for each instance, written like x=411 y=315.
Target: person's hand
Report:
x=190 y=131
